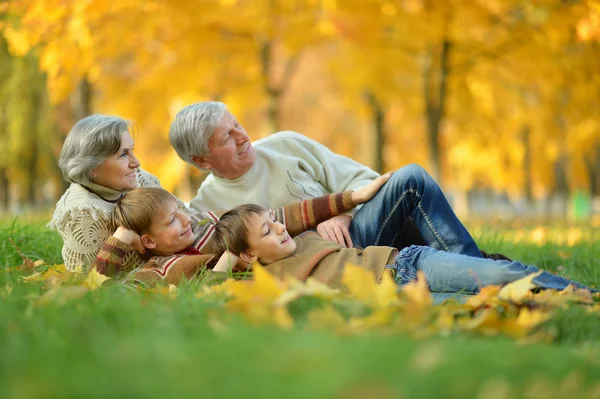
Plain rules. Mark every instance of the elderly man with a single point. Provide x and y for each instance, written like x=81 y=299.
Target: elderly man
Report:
x=287 y=167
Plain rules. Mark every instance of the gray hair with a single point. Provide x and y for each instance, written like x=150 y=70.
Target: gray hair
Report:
x=90 y=142
x=193 y=126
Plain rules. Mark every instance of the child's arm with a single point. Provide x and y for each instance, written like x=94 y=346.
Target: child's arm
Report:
x=301 y=216
x=226 y=263
x=115 y=249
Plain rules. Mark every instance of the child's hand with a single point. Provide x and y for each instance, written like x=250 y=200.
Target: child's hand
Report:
x=367 y=192
x=226 y=262
x=130 y=237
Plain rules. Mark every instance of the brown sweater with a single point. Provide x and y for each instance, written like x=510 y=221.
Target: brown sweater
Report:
x=325 y=260
x=297 y=218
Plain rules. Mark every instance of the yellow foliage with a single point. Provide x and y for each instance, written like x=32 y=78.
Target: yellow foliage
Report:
x=512 y=310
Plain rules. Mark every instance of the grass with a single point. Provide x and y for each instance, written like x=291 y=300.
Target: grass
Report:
x=114 y=343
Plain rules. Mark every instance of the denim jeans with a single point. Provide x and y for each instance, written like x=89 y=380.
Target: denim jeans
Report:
x=411 y=191
x=451 y=272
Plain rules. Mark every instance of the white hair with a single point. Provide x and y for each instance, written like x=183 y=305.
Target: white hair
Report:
x=90 y=142
x=192 y=128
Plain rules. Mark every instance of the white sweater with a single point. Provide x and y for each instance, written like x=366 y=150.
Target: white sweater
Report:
x=289 y=168
x=81 y=217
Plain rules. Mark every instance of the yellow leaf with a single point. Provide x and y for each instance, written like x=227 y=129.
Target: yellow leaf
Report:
x=61 y=295
x=95 y=279
x=78 y=269
x=417 y=291
x=37 y=276
x=485 y=296
x=519 y=290
x=362 y=285
x=312 y=287
x=54 y=271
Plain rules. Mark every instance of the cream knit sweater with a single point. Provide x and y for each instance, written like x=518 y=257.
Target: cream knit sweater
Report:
x=289 y=167
x=82 y=217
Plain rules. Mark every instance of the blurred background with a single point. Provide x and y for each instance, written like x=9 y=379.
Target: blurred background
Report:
x=498 y=99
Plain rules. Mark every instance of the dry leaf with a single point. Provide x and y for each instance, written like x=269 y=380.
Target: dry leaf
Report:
x=519 y=290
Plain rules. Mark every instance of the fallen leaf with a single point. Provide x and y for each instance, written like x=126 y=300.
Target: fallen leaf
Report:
x=519 y=290
x=417 y=291
x=94 y=279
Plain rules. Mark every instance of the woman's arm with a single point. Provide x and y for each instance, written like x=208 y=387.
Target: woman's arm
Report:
x=83 y=231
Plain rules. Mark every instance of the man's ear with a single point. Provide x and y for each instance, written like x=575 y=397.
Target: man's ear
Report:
x=147 y=241
x=201 y=162
x=248 y=257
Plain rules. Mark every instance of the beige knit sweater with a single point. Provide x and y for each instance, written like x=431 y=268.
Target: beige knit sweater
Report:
x=82 y=219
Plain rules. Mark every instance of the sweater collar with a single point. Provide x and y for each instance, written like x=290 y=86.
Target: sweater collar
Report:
x=107 y=194
x=248 y=176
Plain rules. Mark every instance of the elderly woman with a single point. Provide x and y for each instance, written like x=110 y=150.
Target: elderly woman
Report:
x=97 y=159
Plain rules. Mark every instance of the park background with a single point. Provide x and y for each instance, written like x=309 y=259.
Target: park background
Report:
x=499 y=100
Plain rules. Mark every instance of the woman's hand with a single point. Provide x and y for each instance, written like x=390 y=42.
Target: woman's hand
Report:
x=367 y=192
x=130 y=237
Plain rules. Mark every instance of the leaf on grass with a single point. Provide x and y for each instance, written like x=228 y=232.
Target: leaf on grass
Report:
x=519 y=290
x=362 y=285
x=61 y=295
x=312 y=287
x=28 y=265
x=486 y=296
x=417 y=291
x=37 y=276
x=94 y=279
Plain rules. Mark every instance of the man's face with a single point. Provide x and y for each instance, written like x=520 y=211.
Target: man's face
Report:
x=170 y=232
x=230 y=153
x=268 y=239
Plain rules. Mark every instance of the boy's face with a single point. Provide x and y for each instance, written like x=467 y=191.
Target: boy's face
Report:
x=171 y=231
x=268 y=240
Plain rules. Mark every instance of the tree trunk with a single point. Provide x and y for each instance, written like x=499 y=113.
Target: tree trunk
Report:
x=274 y=91
x=434 y=88
x=378 y=113
x=592 y=164
x=4 y=189
x=32 y=128
x=528 y=181
x=82 y=100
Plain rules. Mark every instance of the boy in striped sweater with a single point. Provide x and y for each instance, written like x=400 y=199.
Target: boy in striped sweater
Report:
x=179 y=245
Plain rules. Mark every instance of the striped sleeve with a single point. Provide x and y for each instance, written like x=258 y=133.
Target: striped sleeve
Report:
x=111 y=256
x=301 y=216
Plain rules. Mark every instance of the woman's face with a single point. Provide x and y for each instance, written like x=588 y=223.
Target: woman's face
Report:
x=118 y=171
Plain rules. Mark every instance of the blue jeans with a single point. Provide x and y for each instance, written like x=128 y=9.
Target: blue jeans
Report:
x=411 y=191
x=451 y=272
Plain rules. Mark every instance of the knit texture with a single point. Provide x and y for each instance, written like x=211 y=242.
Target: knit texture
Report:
x=325 y=260
x=172 y=269
x=289 y=167
x=81 y=217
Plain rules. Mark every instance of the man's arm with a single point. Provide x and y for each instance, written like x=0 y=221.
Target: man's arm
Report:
x=336 y=173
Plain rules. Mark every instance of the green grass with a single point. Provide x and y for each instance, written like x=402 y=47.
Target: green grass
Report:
x=115 y=343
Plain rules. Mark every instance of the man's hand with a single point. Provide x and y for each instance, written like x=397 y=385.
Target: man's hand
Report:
x=336 y=229
x=367 y=192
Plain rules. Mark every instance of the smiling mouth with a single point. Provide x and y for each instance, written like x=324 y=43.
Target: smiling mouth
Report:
x=189 y=230
x=246 y=148
x=286 y=239
x=132 y=174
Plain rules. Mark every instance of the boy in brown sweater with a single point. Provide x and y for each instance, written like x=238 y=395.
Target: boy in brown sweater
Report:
x=251 y=232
